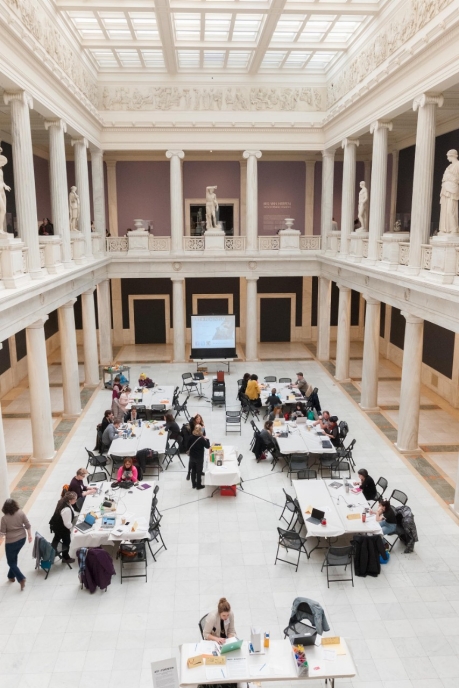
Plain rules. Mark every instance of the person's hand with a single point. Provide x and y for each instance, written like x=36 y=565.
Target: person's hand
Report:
x=29 y=537
x=220 y=641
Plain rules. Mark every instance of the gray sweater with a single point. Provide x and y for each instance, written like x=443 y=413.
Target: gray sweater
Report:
x=13 y=526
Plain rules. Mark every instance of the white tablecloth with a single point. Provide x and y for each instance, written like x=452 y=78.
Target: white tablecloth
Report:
x=302 y=440
x=133 y=505
x=228 y=474
x=279 y=660
x=286 y=395
x=319 y=495
x=156 y=395
x=145 y=438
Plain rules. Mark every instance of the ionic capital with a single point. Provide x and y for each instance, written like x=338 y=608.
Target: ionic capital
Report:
x=21 y=96
x=329 y=153
x=175 y=153
x=80 y=142
x=349 y=142
x=428 y=99
x=379 y=124
x=38 y=324
x=251 y=153
x=58 y=123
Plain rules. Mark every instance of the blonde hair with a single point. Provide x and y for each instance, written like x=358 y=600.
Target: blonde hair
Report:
x=197 y=430
x=82 y=471
x=223 y=605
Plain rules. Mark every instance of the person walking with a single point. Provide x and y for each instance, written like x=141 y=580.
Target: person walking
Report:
x=13 y=527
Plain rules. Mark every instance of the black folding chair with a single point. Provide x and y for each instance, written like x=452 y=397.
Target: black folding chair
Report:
x=291 y=540
x=117 y=462
x=291 y=509
x=189 y=383
x=285 y=380
x=202 y=625
x=346 y=453
x=338 y=468
x=270 y=378
x=382 y=483
x=308 y=474
x=233 y=421
x=401 y=497
x=339 y=556
x=133 y=554
x=172 y=449
x=296 y=463
x=154 y=535
x=182 y=408
x=343 y=428
x=97 y=462
x=239 y=460
x=296 y=625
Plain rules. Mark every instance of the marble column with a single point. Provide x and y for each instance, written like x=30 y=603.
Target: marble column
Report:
x=410 y=390
x=104 y=312
x=326 y=212
x=421 y=204
x=82 y=183
x=59 y=188
x=175 y=156
x=98 y=191
x=24 y=177
x=370 y=365
x=112 y=197
x=367 y=172
x=251 y=320
x=178 y=308
x=380 y=131
x=393 y=190
x=323 y=319
x=251 y=222
x=69 y=358
x=309 y=198
x=343 y=342
x=4 y=477
x=91 y=360
x=40 y=398
x=348 y=193
x=243 y=196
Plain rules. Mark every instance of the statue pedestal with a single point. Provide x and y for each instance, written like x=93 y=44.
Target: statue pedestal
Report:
x=214 y=239
x=138 y=242
x=443 y=260
x=97 y=245
x=77 y=244
x=53 y=258
x=333 y=242
x=390 y=248
x=289 y=240
x=13 y=265
x=357 y=245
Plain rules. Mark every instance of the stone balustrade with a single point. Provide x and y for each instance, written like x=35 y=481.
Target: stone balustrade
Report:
x=51 y=254
x=404 y=253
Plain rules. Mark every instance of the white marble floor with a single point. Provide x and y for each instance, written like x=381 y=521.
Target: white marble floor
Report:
x=402 y=627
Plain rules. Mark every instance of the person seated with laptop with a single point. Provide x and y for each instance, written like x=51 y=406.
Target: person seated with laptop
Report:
x=81 y=490
x=127 y=472
x=274 y=399
x=276 y=413
x=267 y=436
x=131 y=416
x=323 y=421
x=332 y=431
x=219 y=625
x=299 y=411
x=110 y=432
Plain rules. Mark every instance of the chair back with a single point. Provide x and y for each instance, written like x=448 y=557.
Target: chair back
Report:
x=186 y=376
x=286 y=380
x=270 y=378
x=342 y=552
x=156 y=490
x=201 y=624
x=288 y=498
x=382 y=483
x=239 y=382
x=399 y=496
x=303 y=610
x=343 y=429
x=288 y=537
x=308 y=474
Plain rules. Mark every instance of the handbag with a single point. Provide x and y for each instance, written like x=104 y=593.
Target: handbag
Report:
x=188 y=450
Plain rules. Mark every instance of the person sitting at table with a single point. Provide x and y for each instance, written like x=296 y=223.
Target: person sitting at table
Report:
x=366 y=484
x=106 y=420
x=267 y=435
x=172 y=428
x=131 y=416
x=196 y=446
x=298 y=412
x=145 y=381
x=109 y=435
x=276 y=413
x=219 y=625
x=332 y=431
x=81 y=490
x=243 y=387
x=323 y=421
x=61 y=524
x=253 y=390
x=301 y=384
x=274 y=399
x=385 y=515
x=127 y=472
x=141 y=459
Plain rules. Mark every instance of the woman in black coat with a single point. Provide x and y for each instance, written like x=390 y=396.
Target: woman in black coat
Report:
x=197 y=444
x=367 y=485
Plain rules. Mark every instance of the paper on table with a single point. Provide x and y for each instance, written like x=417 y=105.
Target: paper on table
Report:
x=205 y=647
x=329 y=655
x=259 y=670
x=215 y=673
x=237 y=667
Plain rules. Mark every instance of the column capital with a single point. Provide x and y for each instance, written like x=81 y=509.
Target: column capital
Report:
x=371 y=301
x=69 y=304
x=38 y=323
x=172 y=153
x=427 y=99
x=177 y=278
x=412 y=319
x=343 y=288
x=23 y=96
x=249 y=153
x=380 y=124
x=329 y=153
x=349 y=142
x=58 y=123
x=111 y=164
x=81 y=142
x=88 y=292
x=252 y=278
x=97 y=152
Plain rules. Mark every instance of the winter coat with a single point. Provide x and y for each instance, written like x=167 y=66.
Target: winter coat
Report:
x=43 y=553
x=96 y=568
x=258 y=447
x=367 y=549
x=406 y=527
x=318 y=618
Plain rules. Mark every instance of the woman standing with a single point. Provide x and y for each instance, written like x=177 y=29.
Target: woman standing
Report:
x=220 y=624
x=116 y=391
x=121 y=404
x=197 y=444
x=61 y=524
x=13 y=527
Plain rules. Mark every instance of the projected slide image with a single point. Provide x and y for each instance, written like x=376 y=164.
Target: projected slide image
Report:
x=213 y=331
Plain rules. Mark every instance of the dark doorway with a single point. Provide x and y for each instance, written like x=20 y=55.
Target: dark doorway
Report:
x=275 y=320
x=150 y=321
x=212 y=306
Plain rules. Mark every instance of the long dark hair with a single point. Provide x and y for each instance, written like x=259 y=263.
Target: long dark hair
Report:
x=10 y=507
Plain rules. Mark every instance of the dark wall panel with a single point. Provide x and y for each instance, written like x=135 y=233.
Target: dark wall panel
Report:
x=132 y=286
x=382 y=322
x=51 y=325
x=314 y=301
x=397 y=328
x=212 y=285
x=5 y=362
x=212 y=306
x=334 y=304
x=282 y=285
x=355 y=307
x=405 y=179
x=21 y=344
x=438 y=348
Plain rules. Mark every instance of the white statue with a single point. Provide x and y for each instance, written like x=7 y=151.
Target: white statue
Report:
x=398 y=226
x=74 y=209
x=363 y=207
x=449 y=196
x=211 y=207
x=3 y=187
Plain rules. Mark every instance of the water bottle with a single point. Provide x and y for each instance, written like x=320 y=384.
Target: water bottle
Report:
x=266 y=643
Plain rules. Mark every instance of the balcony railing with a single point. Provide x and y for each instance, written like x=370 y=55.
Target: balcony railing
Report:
x=309 y=243
x=191 y=243
x=404 y=253
x=234 y=243
x=426 y=256
x=159 y=243
x=117 y=244
x=269 y=243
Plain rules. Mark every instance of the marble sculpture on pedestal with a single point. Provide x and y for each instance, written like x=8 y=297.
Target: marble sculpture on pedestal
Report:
x=3 y=189
x=449 y=196
x=74 y=209
x=363 y=207
x=211 y=208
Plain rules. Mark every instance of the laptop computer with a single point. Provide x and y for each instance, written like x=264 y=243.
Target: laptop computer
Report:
x=316 y=516
x=301 y=420
x=198 y=376
x=86 y=524
x=230 y=647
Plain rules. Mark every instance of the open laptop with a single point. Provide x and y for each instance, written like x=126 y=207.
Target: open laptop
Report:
x=316 y=516
x=87 y=524
x=301 y=420
x=230 y=647
x=198 y=376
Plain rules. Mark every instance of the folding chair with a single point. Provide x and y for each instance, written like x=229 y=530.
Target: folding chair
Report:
x=285 y=380
x=239 y=383
x=239 y=459
x=296 y=625
x=296 y=463
x=182 y=408
x=401 y=497
x=97 y=462
x=339 y=467
x=202 y=624
x=326 y=461
x=383 y=484
x=171 y=450
x=117 y=462
x=233 y=421
x=133 y=554
x=189 y=383
x=308 y=474
x=291 y=508
x=154 y=535
x=343 y=432
x=339 y=556
x=346 y=453
x=290 y=539
x=270 y=378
